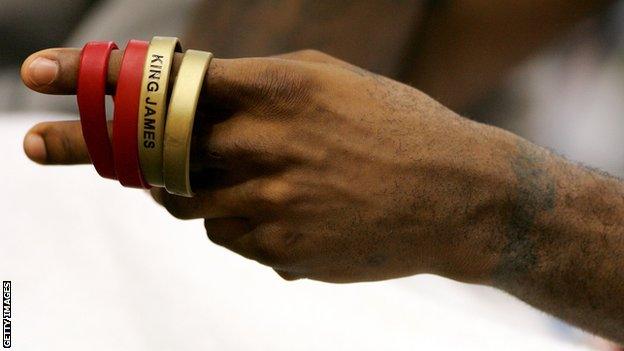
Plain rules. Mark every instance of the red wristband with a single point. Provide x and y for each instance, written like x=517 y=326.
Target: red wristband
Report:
x=90 y=93
x=125 y=125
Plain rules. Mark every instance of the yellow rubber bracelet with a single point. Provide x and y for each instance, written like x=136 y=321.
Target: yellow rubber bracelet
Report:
x=180 y=119
x=153 y=105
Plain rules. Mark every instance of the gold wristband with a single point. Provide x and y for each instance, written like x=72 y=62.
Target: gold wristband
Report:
x=153 y=105
x=180 y=119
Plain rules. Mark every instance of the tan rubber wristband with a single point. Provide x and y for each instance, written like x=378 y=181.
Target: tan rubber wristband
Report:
x=153 y=105
x=180 y=119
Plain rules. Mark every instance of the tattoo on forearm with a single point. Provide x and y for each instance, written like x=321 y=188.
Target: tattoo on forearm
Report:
x=534 y=194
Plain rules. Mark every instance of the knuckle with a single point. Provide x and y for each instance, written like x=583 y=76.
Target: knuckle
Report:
x=217 y=239
x=290 y=83
x=313 y=54
x=177 y=212
x=276 y=193
x=174 y=206
x=284 y=80
x=278 y=88
x=272 y=248
x=226 y=232
x=213 y=235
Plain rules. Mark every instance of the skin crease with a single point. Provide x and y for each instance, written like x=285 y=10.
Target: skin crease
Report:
x=322 y=170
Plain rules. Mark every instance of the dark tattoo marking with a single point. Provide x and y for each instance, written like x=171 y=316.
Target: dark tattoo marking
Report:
x=534 y=194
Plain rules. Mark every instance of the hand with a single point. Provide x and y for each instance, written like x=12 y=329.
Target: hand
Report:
x=320 y=169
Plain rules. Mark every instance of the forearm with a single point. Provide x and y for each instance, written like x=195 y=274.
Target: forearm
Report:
x=563 y=240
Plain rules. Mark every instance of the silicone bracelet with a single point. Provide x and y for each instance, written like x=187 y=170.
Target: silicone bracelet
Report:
x=125 y=146
x=180 y=119
x=153 y=106
x=91 y=93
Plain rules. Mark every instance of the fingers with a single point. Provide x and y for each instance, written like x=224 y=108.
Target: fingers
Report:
x=273 y=87
x=214 y=145
x=56 y=143
x=238 y=235
x=223 y=231
x=235 y=234
x=46 y=73
x=187 y=208
x=55 y=71
x=226 y=202
x=230 y=83
x=258 y=198
x=286 y=275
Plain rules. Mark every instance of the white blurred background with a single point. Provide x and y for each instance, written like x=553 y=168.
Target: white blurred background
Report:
x=98 y=267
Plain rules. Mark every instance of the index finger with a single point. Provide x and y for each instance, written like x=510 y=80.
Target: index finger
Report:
x=55 y=71
x=230 y=86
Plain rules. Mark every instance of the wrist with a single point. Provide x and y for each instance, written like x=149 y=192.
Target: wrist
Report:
x=486 y=209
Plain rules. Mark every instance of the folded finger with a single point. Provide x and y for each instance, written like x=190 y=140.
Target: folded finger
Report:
x=219 y=203
x=222 y=231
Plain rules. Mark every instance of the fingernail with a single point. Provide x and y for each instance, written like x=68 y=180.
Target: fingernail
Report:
x=43 y=71
x=35 y=148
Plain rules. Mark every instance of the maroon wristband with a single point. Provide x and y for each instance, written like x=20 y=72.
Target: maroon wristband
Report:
x=91 y=93
x=125 y=124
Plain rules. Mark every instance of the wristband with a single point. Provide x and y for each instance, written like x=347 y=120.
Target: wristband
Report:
x=180 y=118
x=91 y=93
x=125 y=145
x=153 y=105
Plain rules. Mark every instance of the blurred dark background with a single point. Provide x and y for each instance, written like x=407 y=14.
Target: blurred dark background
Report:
x=30 y=25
